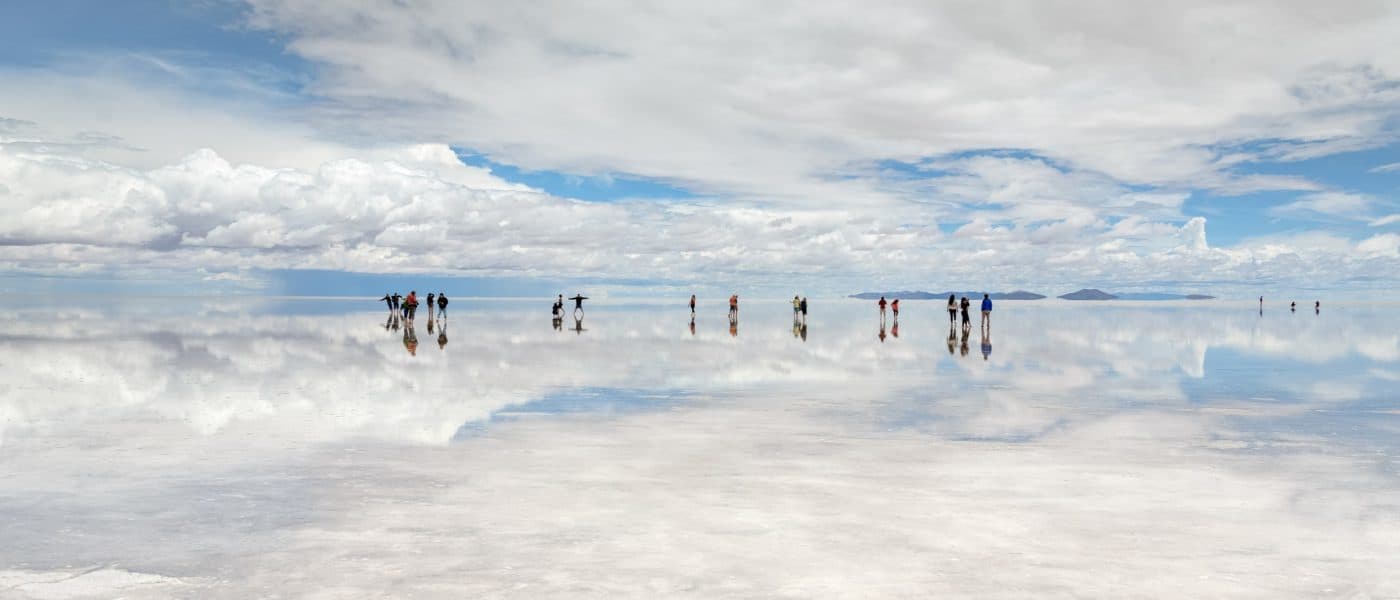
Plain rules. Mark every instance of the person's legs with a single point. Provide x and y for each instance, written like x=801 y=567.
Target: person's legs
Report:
x=986 y=318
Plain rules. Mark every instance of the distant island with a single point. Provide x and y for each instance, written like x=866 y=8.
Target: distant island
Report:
x=907 y=295
x=1093 y=294
x=1088 y=294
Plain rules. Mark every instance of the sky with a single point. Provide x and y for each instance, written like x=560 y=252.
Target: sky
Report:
x=235 y=146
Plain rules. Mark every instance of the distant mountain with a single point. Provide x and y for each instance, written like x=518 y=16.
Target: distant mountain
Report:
x=893 y=295
x=1161 y=296
x=1016 y=295
x=1089 y=294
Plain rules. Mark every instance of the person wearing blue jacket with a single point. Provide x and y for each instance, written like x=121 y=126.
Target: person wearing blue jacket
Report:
x=986 y=310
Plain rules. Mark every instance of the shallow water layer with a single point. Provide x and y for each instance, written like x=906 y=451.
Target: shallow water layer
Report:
x=155 y=448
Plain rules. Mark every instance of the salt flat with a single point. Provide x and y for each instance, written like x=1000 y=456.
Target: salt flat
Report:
x=154 y=448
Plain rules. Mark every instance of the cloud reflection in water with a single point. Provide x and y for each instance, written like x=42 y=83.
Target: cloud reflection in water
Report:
x=1159 y=450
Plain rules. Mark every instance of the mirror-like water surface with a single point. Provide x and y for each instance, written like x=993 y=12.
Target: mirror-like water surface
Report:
x=320 y=448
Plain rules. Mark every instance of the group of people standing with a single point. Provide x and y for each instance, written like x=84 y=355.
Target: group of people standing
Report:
x=955 y=306
x=408 y=305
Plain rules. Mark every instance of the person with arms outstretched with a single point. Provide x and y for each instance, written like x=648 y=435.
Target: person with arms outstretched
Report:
x=578 y=305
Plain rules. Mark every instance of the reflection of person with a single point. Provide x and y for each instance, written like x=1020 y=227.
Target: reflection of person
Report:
x=986 y=344
x=692 y=324
x=442 y=335
x=1293 y=306
x=733 y=327
x=1317 y=307
x=558 y=323
x=952 y=336
x=430 y=326
x=578 y=326
x=882 y=331
x=410 y=339
x=389 y=323
x=804 y=330
x=967 y=331
x=986 y=310
x=894 y=329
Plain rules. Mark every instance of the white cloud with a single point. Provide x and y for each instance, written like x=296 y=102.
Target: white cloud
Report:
x=780 y=119
x=420 y=210
x=764 y=102
x=1386 y=168
x=1333 y=204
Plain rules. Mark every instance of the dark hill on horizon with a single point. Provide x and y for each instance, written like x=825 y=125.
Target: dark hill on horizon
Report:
x=1088 y=294
x=907 y=295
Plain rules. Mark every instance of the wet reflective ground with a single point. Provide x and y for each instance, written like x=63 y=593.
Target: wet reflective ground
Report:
x=154 y=448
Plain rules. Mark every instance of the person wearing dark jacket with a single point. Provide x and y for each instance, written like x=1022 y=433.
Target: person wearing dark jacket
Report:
x=442 y=304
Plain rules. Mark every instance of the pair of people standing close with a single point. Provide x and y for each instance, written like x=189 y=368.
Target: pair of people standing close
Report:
x=894 y=307
x=799 y=309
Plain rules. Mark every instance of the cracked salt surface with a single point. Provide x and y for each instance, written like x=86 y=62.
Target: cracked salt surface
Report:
x=233 y=449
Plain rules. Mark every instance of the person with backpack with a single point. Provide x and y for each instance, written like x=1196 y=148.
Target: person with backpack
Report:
x=410 y=304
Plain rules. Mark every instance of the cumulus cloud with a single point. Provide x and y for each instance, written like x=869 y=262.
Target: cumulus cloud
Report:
x=419 y=209
x=903 y=144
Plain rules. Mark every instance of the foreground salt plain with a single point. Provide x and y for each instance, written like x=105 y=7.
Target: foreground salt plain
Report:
x=302 y=448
